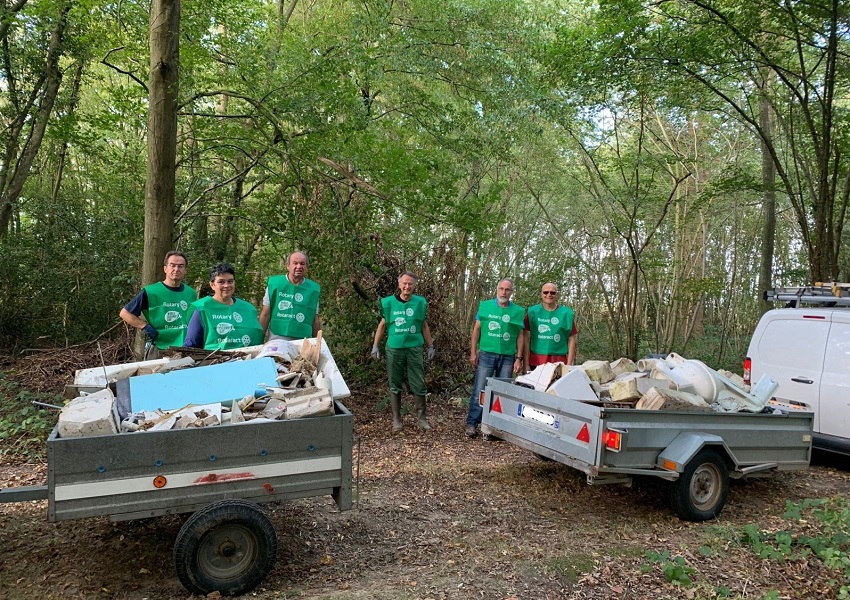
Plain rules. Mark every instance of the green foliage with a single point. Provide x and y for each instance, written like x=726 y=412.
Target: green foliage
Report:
x=819 y=527
x=675 y=568
x=24 y=427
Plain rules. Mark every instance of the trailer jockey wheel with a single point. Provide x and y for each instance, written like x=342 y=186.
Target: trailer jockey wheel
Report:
x=227 y=547
x=701 y=491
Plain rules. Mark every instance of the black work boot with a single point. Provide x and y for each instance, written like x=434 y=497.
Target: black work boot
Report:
x=395 y=404
x=419 y=403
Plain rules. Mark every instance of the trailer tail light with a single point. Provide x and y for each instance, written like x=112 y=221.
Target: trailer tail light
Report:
x=612 y=440
x=584 y=434
x=481 y=398
x=748 y=370
x=497 y=405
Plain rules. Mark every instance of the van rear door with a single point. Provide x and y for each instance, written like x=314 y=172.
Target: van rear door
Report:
x=834 y=405
x=789 y=347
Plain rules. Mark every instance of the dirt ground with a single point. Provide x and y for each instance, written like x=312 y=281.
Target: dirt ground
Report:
x=438 y=516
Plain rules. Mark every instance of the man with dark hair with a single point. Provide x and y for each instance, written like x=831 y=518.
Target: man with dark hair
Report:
x=291 y=302
x=223 y=321
x=404 y=319
x=162 y=309
x=495 y=347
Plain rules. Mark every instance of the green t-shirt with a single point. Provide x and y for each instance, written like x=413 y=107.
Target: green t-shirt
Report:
x=500 y=327
x=550 y=330
x=404 y=321
x=293 y=307
x=226 y=327
x=168 y=312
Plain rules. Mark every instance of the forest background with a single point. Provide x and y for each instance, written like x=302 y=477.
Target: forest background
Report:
x=662 y=161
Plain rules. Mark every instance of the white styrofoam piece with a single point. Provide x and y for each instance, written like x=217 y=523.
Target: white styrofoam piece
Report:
x=540 y=377
x=575 y=385
x=97 y=376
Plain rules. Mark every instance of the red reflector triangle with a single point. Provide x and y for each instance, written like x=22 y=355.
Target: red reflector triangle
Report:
x=584 y=434
x=497 y=405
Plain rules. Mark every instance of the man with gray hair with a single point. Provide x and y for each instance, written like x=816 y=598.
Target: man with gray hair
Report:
x=551 y=331
x=291 y=302
x=404 y=317
x=496 y=346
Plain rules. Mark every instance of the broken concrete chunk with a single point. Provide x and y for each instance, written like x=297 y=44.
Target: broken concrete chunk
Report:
x=598 y=370
x=625 y=390
x=644 y=384
x=623 y=365
x=658 y=399
x=735 y=378
x=542 y=376
x=316 y=404
x=88 y=416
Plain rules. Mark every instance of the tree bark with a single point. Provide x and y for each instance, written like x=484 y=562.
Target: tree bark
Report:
x=162 y=135
x=768 y=179
x=51 y=79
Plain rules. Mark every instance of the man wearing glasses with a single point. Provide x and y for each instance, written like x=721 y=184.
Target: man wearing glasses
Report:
x=161 y=309
x=496 y=346
x=551 y=331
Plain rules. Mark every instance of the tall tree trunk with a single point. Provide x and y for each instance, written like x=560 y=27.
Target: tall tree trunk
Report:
x=162 y=135
x=768 y=179
x=22 y=163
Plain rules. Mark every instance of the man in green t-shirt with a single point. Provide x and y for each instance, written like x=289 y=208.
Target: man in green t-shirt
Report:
x=162 y=309
x=496 y=346
x=551 y=329
x=291 y=303
x=407 y=331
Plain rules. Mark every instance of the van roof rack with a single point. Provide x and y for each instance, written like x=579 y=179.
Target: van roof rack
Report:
x=823 y=294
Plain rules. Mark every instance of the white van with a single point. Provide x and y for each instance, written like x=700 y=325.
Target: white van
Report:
x=807 y=351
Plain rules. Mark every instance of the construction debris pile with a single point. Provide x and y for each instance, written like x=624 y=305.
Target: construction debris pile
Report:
x=670 y=383
x=276 y=381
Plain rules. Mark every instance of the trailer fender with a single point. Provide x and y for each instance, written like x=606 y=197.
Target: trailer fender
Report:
x=676 y=456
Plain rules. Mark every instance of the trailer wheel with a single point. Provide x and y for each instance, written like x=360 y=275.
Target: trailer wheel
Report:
x=701 y=491
x=227 y=547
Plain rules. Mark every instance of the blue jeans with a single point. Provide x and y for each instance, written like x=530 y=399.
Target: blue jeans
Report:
x=489 y=365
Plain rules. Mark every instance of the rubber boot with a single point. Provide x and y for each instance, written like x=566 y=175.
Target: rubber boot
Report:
x=419 y=403
x=395 y=404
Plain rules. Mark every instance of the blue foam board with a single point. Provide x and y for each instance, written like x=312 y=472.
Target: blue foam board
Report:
x=201 y=385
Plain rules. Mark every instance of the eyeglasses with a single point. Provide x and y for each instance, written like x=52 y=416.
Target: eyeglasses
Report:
x=547 y=293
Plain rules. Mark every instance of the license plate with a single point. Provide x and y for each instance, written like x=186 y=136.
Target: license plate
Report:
x=548 y=419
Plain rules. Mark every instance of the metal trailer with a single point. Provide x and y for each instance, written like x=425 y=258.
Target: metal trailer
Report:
x=220 y=474
x=697 y=452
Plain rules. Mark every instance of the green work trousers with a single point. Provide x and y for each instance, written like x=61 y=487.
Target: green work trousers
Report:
x=409 y=361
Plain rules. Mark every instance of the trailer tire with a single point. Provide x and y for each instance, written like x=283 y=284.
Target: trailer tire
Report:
x=701 y=491
x=227 y=547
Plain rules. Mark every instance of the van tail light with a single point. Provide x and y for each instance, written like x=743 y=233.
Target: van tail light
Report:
x=748 y=367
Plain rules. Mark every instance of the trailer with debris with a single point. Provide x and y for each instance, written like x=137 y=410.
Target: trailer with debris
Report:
x=221 y=474
x=697 y=451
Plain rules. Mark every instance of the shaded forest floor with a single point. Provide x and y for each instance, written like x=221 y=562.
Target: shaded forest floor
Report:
x=439 y=516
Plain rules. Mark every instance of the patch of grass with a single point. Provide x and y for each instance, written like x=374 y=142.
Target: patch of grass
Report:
x=24 y=427
x=569 y=567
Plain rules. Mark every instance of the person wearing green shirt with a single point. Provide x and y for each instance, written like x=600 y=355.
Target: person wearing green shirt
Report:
x=496 y=346
x=407 y=331
x=551 y=329
x=291 y=303
x=162 y=309
x=222 y=321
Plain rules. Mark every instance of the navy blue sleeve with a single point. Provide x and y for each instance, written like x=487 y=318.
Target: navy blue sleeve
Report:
x=195 y=332
x=138 y=303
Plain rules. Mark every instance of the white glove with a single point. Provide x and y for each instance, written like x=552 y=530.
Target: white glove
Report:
x=375 y=352
x=431 y=352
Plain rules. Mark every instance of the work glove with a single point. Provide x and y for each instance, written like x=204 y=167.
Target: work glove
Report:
x=375 y=352
x=431 y=352
x=151 y=331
